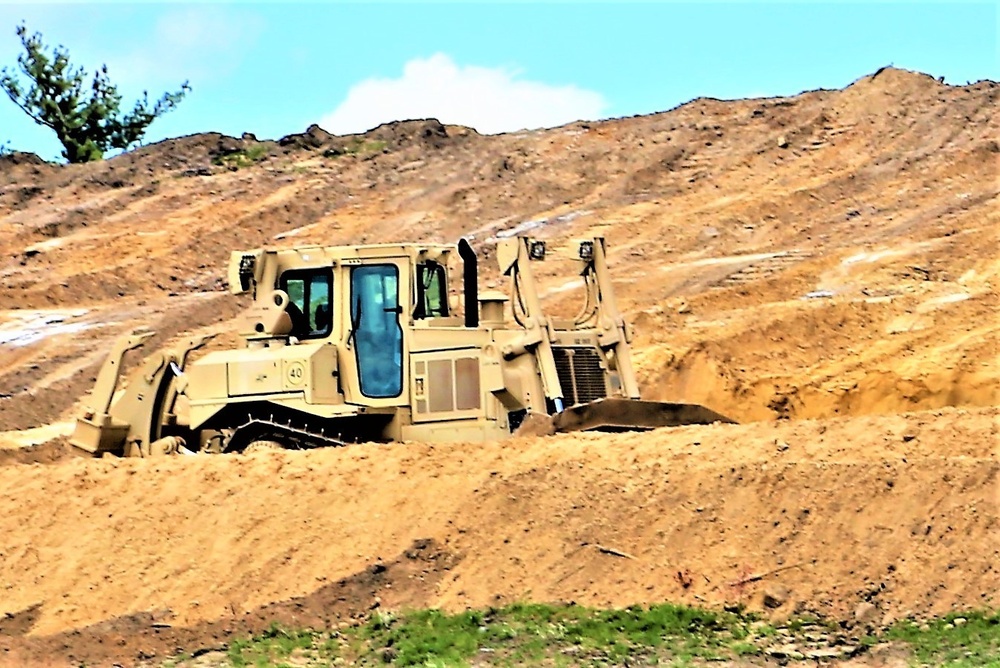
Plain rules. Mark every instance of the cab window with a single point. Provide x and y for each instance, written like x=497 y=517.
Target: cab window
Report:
x=310 y=303
x=432 y=291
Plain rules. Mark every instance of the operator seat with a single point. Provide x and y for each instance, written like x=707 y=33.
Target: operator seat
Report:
x=300 y=324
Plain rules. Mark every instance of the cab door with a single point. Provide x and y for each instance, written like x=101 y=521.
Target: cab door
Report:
x=376 y=333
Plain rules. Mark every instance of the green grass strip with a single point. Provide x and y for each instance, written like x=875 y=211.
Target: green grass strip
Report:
x=571 y=635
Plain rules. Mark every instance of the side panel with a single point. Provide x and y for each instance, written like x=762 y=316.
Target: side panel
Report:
x=321 y=381
x=303 y=376
x=456 y=431
x=251 y=376
x=446 y=385
x=468 y=395
x=426 y=339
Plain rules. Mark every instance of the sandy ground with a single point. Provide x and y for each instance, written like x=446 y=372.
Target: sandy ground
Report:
x=899 y=511
x=822 y=268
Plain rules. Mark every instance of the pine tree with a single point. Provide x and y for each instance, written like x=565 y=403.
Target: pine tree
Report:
x=87 y=120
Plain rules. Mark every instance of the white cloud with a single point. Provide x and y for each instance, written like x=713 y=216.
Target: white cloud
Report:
x=196 y=43
x=490 y=100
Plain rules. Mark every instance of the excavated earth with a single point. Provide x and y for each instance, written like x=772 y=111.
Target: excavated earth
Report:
x=822 y=268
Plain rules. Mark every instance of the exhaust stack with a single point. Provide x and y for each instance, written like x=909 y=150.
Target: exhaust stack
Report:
x=470 y=278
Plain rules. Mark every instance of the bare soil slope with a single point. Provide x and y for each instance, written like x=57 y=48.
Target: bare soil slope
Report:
x=823 y=268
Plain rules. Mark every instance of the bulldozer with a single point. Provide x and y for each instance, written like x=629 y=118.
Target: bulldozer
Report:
x=347 y=344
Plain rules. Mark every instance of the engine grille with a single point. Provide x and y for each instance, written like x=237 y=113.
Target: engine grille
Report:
x=580 y=374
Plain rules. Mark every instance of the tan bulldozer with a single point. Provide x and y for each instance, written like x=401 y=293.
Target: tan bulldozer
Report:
x=347 y=344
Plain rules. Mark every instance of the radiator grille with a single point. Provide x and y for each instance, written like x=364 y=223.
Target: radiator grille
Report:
x=580 y=374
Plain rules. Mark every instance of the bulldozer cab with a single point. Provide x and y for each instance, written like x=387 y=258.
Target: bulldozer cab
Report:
x=370 y=316
x=363 y=300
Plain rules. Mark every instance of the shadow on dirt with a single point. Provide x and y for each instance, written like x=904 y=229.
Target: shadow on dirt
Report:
x=43 y=453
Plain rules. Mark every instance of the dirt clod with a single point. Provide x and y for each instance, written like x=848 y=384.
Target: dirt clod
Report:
x=776 y=596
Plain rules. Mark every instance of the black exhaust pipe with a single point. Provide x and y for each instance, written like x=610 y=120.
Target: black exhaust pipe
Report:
x=470 y=285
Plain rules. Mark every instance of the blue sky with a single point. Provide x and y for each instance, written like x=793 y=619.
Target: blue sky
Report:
x=273 y=69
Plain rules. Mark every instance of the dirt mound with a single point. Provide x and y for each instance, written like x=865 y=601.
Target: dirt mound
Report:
x=833 y=357
x=15 y=158
x=897 y=511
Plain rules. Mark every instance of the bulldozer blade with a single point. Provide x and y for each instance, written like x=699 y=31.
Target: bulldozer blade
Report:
x=615 y=414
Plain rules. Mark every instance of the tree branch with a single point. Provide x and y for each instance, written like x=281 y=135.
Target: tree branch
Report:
x=32 y=116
